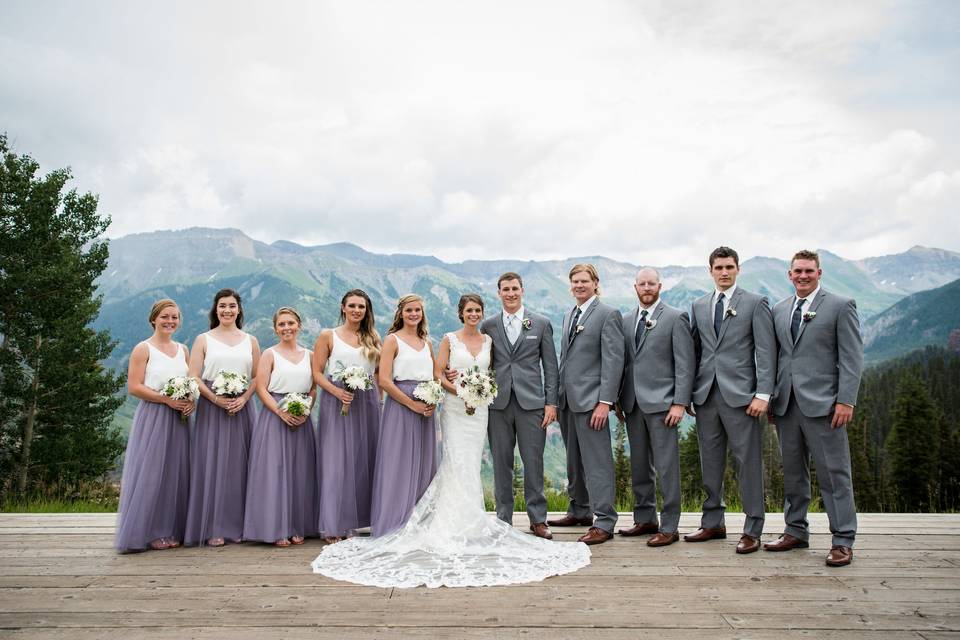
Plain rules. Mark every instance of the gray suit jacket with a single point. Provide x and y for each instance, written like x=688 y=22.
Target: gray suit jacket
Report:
x=823 y=367
x=518 y=366
x=660 y=371
x=743 y=358
x=591 y=362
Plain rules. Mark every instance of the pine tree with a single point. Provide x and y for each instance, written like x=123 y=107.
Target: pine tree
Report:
x=621 y=468
x=58 y=401
x=691 y=478
x=912 y=446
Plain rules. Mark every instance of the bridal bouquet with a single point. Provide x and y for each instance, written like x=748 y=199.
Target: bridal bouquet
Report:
x=354 y=378
x=477 y=388
x=296 y=404
x=430 y=392
x=181 y=388
x=230 y=384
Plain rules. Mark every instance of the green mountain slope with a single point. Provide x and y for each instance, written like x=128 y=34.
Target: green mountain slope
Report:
x=919 y=320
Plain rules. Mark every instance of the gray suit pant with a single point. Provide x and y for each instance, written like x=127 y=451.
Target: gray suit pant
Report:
x=505 y=429
x=718 y=426
x=654 y=451
x=589 y=469
x=800 y=438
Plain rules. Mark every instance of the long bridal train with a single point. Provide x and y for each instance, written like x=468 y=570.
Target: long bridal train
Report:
x=449 y=540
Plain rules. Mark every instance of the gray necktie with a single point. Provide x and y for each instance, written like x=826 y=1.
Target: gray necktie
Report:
x=512 y=330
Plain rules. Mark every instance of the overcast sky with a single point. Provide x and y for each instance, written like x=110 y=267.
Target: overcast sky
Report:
x=645 y=131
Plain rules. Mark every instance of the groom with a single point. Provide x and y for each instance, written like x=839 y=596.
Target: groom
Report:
x=526 y=401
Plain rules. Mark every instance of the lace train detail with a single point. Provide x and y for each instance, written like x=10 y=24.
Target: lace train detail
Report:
x=449 y=540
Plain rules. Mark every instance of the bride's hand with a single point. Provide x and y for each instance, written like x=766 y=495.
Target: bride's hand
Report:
x=422 y=408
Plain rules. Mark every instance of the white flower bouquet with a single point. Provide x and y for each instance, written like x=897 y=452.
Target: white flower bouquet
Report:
x=354 y=378
x=181 y=388
x=296 y=404
x=476 y=387
x=230 y=384
x=430 y=392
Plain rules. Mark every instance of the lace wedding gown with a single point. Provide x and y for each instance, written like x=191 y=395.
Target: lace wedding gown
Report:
x=449 y=540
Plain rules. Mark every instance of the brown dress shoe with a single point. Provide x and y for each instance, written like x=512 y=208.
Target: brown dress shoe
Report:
x=640 y=529
x=569 y=521
x=839 y=556
x=748 y=544
x=541 y=530
x=702 y=535
x=594 y=536
x=662 y=539
x=786 y=542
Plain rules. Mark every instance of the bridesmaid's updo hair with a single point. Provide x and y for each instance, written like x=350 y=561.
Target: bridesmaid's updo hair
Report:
x=226 y=293
x=464 y=299
x=157 y=307
x=369 y=338
x=422 y=331
x=288 y=310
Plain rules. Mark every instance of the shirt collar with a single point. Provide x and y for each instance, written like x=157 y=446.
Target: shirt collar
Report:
x=518 y=314
x=726 y=294
x=810 y=298
x=651 y=308
x=583 y=307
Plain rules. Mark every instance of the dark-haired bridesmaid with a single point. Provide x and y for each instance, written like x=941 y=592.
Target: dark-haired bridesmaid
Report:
x=221 y=437
x=347 y=444
x=406 y=451
x=156 y=468
x=282 y=488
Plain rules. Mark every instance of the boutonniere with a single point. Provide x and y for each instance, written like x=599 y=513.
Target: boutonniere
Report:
x=731 y=313
x=526 y=324
x=579 y=329
x=651 y=324
x=809 y=315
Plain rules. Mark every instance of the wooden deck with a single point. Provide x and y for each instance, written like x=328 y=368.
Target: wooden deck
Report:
x=60 y=578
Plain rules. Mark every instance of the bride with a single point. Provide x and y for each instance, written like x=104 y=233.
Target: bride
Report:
x=449 y=539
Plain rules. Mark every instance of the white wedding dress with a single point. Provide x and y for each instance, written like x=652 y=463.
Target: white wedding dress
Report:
x=449 y=540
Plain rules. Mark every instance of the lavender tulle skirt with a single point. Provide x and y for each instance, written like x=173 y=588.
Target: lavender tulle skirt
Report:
x=219 y=447
x=282 y=488
x=156 y=475
x=406 y=462
x=346 y=457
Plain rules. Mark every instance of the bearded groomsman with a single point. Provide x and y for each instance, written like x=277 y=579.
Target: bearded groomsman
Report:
x=526 y=364
x=818 y=377
x=656 y=391
x=736 y=370
x=591 y=365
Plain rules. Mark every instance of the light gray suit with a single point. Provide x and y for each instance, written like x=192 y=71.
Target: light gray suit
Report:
x=517 y=411
x=591 y=366
x=815 y=372
x=659 y=372
x=732 y=368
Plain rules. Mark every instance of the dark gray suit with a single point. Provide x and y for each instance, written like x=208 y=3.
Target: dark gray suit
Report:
x=591 y=366
x=732 y=368
x=517 y=411
x=659 y=373
x=815 y=372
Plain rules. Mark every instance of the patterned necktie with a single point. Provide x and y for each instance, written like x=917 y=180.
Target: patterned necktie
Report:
x=512 y=332
x=718 y=315
x=573 y=324
x=795 y=323
x=641 y=329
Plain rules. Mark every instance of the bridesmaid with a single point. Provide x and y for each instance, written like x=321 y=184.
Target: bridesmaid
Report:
x=347 y=445
x=407 y=448
x=156 y=470
x=221 y=437
x=282 y=493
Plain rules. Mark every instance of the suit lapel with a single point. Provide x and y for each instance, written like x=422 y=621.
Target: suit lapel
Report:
x=705 y=321
x=583 y=318
x=516 y=345
x=814 y=305
x=501 y=332
x=783 y=321
x=655 y=318
x=734 y=301
x=631 y=320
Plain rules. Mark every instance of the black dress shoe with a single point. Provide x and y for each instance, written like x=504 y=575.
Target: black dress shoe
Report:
x=570 y=521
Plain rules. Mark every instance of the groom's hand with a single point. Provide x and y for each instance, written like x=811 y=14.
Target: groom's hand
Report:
x=600 y=417
x=549 y=416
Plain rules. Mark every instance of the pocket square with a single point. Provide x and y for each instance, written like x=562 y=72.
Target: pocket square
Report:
x=532 y=338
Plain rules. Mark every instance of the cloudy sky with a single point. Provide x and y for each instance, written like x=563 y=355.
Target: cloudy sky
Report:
x=645 y=131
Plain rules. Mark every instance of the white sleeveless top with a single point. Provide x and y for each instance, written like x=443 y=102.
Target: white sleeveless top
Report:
x=349 y=356
x=411 y=364
x=161 y=367
x=223 y=357
x=288 y=377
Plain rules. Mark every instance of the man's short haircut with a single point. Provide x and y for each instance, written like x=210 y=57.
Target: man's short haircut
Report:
x=510 y=275
x=724 y=252
x=805 y=254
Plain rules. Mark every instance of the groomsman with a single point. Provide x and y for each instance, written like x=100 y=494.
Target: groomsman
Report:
x=656 y=391
x=818 y=377
x=591 y=366
x=736 y=370
x=526 y=364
